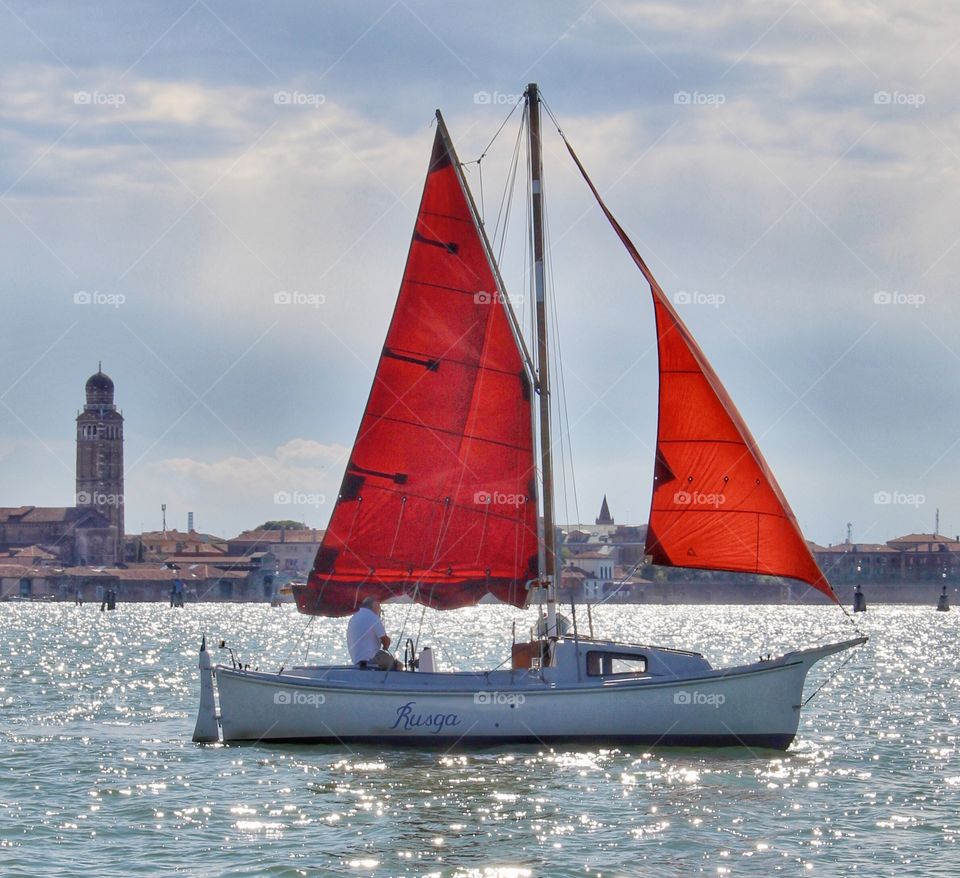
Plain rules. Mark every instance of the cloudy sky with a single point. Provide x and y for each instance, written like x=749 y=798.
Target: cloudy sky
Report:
x=790 y=169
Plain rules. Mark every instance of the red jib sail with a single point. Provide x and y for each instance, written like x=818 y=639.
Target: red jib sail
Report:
x=716 y=505
x=438 y=501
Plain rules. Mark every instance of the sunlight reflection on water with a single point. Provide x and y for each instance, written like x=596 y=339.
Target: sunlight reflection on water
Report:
x=98 y=769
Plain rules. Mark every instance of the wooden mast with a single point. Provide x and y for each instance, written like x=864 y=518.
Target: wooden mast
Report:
x=548 y=572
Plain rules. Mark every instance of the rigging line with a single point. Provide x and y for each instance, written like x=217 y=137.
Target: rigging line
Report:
x=546 y=106
x=479 y=161
x=557 y=363
x=506 y=200
x=563 y=409
x=620 y=584
x=839 y=668
x=416 y=643
x=502 y=126
x=853 y=620
x=296 y=643
x=565 y=412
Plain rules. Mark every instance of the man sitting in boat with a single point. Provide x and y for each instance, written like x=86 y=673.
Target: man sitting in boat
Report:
x=367 y=639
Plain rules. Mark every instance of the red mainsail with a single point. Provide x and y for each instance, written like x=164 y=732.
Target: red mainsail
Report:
x=716 y=505
x=439 y=497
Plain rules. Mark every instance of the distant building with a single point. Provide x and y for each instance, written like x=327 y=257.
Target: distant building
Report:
x=91 y=532
x=910 y=558
x=72 y=535
x=134 y=583
x=100 y=457
x=294 y=548
x=159 y=544
x=604 y=517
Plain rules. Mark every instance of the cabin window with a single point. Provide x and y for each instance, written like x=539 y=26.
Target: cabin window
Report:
x=615 y=664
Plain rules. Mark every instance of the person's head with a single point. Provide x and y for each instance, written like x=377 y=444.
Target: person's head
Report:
x=371 y=603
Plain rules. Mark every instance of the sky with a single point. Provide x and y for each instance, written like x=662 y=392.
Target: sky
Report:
x=215 y=199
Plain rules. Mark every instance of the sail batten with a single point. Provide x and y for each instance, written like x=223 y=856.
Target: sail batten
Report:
x=716 y=505
x=438 y=500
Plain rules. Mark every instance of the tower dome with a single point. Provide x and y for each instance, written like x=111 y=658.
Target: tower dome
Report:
x=99 y=389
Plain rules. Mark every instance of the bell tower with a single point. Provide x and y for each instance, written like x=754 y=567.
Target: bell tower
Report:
x=100 y=454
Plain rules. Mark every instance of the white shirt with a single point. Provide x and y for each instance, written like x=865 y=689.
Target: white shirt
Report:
x=363 y=635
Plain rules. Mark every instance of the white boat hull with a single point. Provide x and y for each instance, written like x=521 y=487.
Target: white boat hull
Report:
x=754 y=705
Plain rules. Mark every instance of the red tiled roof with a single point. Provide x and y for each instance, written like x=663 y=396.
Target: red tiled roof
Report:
x=852 y=548
x=290 y=535
x=35 y=552
x=17 y=571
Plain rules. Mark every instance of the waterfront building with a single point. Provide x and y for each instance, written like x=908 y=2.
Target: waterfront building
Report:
x=91 y=531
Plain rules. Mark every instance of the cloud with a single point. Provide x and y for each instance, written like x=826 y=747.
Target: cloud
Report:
x=297 y=480
x=316 y=195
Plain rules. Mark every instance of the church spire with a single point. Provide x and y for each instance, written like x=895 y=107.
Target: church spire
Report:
x=604 y=517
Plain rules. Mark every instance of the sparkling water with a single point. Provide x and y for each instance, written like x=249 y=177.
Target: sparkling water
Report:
x=99 y=777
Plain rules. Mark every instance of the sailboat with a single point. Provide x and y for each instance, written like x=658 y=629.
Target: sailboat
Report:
x=448 y=497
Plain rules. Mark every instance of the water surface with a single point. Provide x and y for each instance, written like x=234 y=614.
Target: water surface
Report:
x=99 y=776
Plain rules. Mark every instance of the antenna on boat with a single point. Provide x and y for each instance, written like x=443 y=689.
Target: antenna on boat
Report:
x=548 y=571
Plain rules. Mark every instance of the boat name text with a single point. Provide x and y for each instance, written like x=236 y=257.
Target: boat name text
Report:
x=435 y=722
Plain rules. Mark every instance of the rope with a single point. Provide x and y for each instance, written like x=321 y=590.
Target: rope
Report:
x=824 y=683
x=479 y=161
x=296 y=643
x=423 y=615
x=506 y=200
